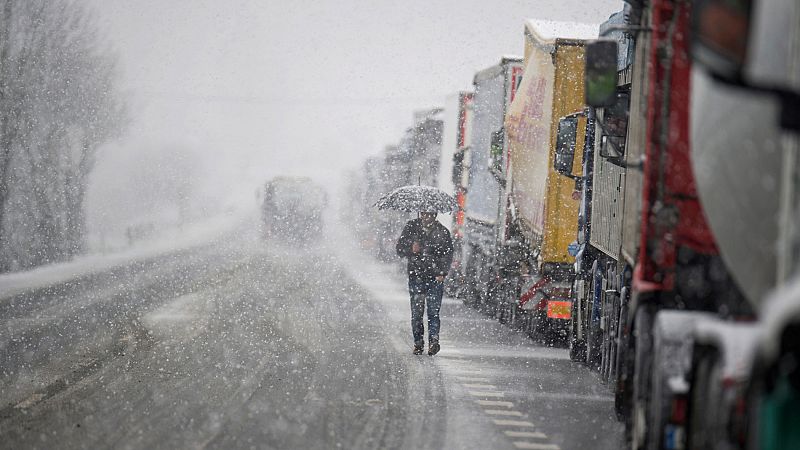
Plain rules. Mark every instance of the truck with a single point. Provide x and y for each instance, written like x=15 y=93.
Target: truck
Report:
x=292 y=208
x=671 y=276
x=744 y=377
x=486 y=192
x=600 y=181
x=542 y=207
x=454 y=172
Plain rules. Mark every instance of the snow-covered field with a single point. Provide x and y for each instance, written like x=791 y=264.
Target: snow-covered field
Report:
x=169 y=241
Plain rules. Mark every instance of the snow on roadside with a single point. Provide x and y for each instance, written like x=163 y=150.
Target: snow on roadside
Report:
x=194 y=235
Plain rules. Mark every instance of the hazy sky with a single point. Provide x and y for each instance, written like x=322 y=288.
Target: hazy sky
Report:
x=254 y=88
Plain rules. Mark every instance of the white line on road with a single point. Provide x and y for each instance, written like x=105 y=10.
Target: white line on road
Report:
x=486 y=394
x=502 y=412
x=568 y=396
x=30 y=401
x=473 y=380
x=494 y=403
x=526 y=434
x=536 y=446
x=513 y=423
x=461 y=370
x=466 y=371
x=480 y=386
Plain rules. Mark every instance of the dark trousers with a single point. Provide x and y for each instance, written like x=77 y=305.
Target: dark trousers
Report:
x=425 y=293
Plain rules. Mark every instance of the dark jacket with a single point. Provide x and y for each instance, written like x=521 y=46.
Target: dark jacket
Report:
x=436 y=254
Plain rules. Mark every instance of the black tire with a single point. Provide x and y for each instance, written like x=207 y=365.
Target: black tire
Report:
x=593 y=336
x=619 y=324
x=577 y=347
x=697 y=433
x=642 y=383
x=624 y=386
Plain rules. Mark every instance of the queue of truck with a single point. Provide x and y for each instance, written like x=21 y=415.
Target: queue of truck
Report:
x=633 y=193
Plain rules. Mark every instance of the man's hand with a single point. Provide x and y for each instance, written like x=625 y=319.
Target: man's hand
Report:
x=415 y=247
x=440 y=278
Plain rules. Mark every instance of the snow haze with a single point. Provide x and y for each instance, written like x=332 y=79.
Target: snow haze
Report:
x=225 y=95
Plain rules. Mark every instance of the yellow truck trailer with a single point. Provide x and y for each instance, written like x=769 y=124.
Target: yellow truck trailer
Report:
x=544 y=205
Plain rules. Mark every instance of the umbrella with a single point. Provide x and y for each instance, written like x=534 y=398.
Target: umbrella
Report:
x=418 y=198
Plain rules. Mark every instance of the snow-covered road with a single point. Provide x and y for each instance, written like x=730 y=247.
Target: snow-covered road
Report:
x=240 y=343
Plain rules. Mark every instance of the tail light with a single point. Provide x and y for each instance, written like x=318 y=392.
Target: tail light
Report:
x=679 y=404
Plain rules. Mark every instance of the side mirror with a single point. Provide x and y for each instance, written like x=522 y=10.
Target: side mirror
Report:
x=601 y=73
x=614 y=123
x=496 y=150
x=612 y=147
x=565 y=145
x=720 y=30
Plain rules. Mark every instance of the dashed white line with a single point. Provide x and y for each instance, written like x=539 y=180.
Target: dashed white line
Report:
x=486 y=394
x=567 y=396
x=525 y=434
x=495 y=403
x=536 y=446
x=479 y=386
x=502 y=412
x=473 y=380
x=458 y=370
x=513 y=423
x=30 y=401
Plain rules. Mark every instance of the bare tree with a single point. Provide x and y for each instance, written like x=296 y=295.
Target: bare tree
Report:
x=58 y=105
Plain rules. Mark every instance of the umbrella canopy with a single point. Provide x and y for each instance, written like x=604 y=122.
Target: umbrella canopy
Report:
x=418 y=198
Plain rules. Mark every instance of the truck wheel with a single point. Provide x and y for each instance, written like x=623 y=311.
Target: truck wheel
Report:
x=698 y=435
x=642 y=367
x=609 y=318
x=593 y=337
x=502 y=313
x=624 y=386
x=619 y=321
x=577 y=347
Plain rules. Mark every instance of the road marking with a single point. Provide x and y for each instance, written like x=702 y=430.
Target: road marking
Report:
x=486 y=394
x=513 y=423
x=473 y=380
x=536 y=446
x=525 y=434
x=494 y=403
x=502 y=412
x=568 y=396
x=467 y=372
x=479 y=386
x=30 y=401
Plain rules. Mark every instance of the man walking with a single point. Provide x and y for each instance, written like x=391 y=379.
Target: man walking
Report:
x=429 y=249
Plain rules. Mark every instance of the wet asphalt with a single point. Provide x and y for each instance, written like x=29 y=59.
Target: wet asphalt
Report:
x=246 y=343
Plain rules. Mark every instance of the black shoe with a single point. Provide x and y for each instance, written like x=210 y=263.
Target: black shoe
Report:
x=418 y=348
x=433 y=349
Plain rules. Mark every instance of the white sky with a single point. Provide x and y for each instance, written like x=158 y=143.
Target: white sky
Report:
x=254 y=88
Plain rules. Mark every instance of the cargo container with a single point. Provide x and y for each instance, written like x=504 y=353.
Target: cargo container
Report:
x=666 y=238
x=453 y=176
x=292 y=209
x=543 y=207
x=601 y=182
x=486 y=194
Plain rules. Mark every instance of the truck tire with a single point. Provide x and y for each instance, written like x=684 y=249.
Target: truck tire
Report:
x=619 y=321
x=624 y=386
x=577 y=347
x=698 y=436
x=637 y=428
x=593 y=336
x=610 y=312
